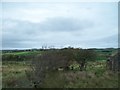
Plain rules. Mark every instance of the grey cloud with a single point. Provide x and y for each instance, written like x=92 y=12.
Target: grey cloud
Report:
x=51 y=24
x=110 y=41
x=64 y=24
x=21 y=27
x=54 y=31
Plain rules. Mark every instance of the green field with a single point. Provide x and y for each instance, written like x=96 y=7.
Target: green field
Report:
x=22 y=53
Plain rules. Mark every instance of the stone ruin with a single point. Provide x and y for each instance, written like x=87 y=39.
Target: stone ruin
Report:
x=113 y=62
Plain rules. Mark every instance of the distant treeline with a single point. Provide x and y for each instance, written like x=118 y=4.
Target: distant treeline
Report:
x=21 y=55
x=96 y=49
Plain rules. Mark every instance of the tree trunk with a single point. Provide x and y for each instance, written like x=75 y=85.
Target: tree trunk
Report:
x=85 y=65
x=82 y=65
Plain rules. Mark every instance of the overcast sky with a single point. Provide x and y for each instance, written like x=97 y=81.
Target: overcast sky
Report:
x=84 y=25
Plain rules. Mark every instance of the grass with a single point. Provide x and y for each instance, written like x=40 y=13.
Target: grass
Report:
x=13 y=75
x=95 y=76
x=23 y=53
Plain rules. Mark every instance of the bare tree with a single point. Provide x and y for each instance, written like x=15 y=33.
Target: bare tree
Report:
x=41 y=64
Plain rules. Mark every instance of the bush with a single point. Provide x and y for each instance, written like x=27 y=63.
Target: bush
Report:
x=83 y=56
x=52 y=60
x=48 y=61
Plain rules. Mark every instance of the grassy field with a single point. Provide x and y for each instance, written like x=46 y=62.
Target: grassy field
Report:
x=23 y=53
x=95 y=76
x=14 y=74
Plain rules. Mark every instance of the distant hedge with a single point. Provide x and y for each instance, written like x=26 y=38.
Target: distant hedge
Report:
x=12 y=57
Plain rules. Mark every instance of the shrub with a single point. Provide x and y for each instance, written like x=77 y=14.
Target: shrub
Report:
x=83 y=56
x=48 y=61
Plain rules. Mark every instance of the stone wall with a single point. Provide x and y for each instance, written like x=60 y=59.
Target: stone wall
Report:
x=113 y=62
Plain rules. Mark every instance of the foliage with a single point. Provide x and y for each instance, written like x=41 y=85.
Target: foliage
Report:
x=74 y=67
x=48 y=61
x=83 y=56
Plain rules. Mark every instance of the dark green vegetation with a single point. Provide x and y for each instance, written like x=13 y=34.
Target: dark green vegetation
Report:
x=95 y=74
